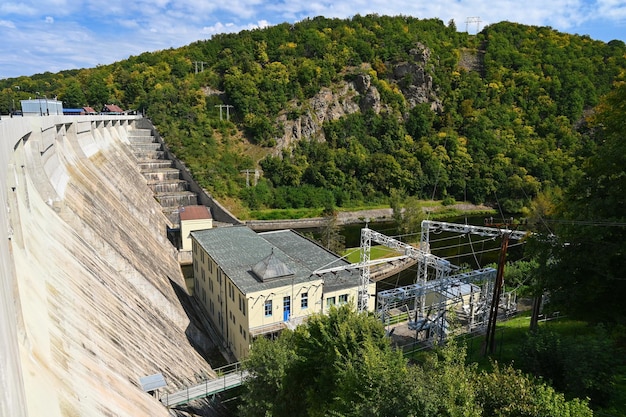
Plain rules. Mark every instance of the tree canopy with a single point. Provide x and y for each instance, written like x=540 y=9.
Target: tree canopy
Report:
x=583 y=250
x=342 y=364
x=502 y=118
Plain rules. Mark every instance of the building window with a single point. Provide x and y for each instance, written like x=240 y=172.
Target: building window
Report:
x=330 y=301
x=268 y=308
x=244 y=335
x=343 y=299
x=240 y=329
x=202 y=256
x=203 y=275
x=304 y=300
x=210 y=266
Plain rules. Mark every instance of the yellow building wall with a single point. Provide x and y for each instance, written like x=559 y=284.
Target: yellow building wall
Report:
x=234 y=314
x=188 y=226
x=348 y=295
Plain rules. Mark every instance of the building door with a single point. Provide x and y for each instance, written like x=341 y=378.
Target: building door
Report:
x=286 y=308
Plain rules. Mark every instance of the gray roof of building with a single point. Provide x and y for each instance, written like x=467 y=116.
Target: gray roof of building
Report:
x=238 y=249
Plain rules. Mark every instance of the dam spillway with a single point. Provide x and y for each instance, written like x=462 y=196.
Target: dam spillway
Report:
x=88 y=279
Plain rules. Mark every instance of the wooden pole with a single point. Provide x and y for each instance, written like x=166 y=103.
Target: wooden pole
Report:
x=490 y=338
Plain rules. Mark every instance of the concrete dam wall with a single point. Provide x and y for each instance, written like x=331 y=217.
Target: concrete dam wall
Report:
x=88 y=280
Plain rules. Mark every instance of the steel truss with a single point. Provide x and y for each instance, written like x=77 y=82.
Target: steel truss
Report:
x=428 y=302
x=436 y=279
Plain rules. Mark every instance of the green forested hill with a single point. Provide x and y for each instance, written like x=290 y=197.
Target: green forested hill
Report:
x=497 y=117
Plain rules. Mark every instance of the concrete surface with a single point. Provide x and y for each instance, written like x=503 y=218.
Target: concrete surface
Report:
x=87 y=302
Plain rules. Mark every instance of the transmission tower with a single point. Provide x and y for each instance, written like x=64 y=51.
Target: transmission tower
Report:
x=471 y=20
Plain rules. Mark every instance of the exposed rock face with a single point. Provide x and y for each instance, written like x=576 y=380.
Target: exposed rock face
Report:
x=326 y=105
x=94 y=275
x=360 y=95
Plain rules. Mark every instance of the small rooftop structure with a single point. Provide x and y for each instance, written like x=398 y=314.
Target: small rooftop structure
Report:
x=152 y=382
x=41 y=106
x=194 y=213
x=271 y=267
x=73 y=112
x=112 y=109
x=193 y=218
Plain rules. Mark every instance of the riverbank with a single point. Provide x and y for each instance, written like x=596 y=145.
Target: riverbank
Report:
x=379 y=215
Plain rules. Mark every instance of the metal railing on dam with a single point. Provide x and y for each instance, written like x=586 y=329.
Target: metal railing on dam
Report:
x=229 y=376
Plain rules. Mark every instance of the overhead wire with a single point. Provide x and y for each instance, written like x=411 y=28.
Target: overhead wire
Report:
x=469 y=237
x=487 y=250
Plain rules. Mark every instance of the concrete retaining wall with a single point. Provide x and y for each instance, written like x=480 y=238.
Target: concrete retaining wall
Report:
x=219 y=212
x=87 y=286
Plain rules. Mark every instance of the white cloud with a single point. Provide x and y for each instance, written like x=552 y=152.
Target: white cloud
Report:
x=7 y=24
x=49 y=19
x=612 y=9
x=219 y=27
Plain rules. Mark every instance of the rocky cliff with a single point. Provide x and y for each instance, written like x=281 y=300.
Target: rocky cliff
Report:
x=93 y=279
x=360 y=94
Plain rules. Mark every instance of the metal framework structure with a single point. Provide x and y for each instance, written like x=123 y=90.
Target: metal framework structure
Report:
x=436 y=278
x=432 y=317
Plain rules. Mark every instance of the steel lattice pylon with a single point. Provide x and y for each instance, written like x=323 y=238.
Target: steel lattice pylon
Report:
x=446 y=275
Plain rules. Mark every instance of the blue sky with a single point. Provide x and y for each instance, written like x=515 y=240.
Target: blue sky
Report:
x=53 y=35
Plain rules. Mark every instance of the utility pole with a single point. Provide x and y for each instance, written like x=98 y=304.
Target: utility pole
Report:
x=247 y=172
x=473 y=20
x=201 y=65
x=228 y=106
x=490 y=337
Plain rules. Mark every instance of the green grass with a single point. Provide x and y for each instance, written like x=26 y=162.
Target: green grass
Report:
x=286 y=214
x=438 y=212
x=303 y=213
x=353 y=255
x=511 y=333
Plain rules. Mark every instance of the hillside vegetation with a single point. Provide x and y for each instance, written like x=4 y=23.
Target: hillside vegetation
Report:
x=341 y=112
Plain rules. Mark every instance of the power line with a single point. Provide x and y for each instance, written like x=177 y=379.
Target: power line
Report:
x=587 y=222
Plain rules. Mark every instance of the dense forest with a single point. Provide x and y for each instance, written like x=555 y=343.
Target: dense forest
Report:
x=494 y=118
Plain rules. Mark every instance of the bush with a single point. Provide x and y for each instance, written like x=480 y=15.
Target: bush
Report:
x=579 y=366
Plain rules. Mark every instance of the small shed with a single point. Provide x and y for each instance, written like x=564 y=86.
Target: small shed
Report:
x=193 y=218
x=112 y=109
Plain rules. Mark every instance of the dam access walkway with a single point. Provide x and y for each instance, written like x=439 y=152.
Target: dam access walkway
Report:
x=229 y=376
